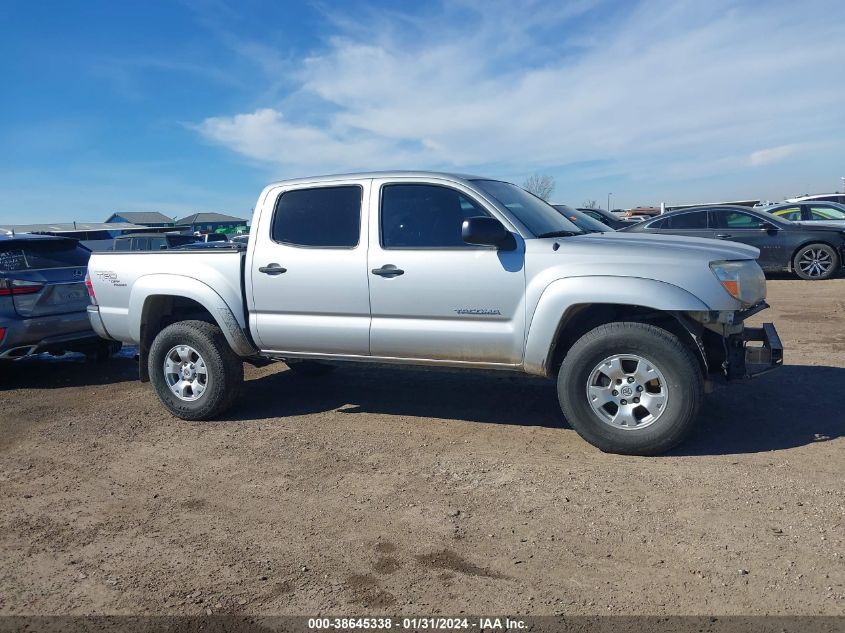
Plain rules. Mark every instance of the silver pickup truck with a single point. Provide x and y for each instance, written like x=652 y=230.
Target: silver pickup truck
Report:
x=445 y=270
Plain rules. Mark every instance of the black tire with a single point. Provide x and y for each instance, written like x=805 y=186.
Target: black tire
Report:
x=825 y=255
x=225 y=370
x=657 y=346
x=310 y=367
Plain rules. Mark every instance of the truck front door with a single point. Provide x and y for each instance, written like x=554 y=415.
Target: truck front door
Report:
x=433 y=296
x=308 y=270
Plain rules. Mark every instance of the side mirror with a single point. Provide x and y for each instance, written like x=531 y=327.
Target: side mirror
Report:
x=486 y=231
x=768 y=226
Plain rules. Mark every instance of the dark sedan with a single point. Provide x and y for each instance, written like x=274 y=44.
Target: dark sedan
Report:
x=582 y=220
x=811 y=252
x=607 y=218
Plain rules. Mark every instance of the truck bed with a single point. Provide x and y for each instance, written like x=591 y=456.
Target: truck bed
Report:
x=118 y=277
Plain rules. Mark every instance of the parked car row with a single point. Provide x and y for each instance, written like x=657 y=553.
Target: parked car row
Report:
x=43 y=297
x=806 y=238
x=165 y=241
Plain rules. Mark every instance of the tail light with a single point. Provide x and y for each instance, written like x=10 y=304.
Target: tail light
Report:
x=14 y=287
x=2 y=334
x=90 y=288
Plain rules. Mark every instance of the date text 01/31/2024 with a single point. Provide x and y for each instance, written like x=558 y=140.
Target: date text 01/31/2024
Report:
x=416 y=624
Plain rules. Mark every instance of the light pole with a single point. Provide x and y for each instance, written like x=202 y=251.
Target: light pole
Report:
x=608 y=201
x=843 y=183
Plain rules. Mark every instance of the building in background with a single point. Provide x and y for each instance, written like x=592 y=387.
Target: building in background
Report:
x=211 y=222
x=141 y=218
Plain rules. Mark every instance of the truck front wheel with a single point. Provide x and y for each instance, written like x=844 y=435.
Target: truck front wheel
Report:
x=195 y=373
x=630 y=388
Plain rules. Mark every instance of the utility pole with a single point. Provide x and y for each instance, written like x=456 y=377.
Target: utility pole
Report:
x=608 y=200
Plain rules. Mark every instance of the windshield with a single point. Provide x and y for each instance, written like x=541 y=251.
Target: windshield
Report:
x=37 y=254
x=538 y=216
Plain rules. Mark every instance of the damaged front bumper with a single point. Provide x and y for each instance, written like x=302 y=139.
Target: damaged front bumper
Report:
x=747 y=361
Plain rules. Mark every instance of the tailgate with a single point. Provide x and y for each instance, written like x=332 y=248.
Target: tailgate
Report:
x=44 y=277
x=45 y=292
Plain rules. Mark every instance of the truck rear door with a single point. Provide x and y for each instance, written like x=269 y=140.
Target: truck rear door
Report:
x=308 y=270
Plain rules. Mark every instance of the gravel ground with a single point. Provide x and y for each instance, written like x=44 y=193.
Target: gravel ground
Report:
x=409 y=491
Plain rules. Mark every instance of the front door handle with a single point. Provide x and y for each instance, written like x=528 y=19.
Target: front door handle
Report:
x=388 y=270
x=724 y=236
x=272 y=269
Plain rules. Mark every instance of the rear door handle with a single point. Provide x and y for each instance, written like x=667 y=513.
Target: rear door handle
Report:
x=723 y=236
x=388 y=270
x=272 y=269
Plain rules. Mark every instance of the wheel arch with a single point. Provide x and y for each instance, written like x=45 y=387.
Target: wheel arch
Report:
x=566 y=311
x=159 y=300
x=807 y=243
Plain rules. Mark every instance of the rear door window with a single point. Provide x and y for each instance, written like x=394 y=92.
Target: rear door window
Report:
x=325 y=217
x=688 y=221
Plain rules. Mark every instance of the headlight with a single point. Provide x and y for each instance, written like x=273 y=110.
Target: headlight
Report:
x=744 y=280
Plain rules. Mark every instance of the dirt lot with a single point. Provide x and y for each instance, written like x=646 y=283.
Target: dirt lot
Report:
x=378 y=490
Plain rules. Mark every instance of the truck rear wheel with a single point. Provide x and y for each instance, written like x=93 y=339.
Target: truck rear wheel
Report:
x=630 y=388
x=195 y=373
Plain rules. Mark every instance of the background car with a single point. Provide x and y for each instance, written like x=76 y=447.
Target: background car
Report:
x=152 y=241
x=820 y=197
x=204 y=246
x=810 y=251
x=605 y=217
x=43 y=298
x=212 y=237
x=810 y=211
x=582 y=220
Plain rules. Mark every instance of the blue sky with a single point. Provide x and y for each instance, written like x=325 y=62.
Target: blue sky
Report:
x=195 y=105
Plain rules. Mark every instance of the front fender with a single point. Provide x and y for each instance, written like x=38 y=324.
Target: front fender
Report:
x=560 y=297
x=231 y=322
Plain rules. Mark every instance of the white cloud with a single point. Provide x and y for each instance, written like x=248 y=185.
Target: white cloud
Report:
x=772 y=154
x=663 y=87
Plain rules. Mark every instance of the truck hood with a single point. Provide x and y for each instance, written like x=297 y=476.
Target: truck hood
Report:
x=674 y=244
x=683 y=262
